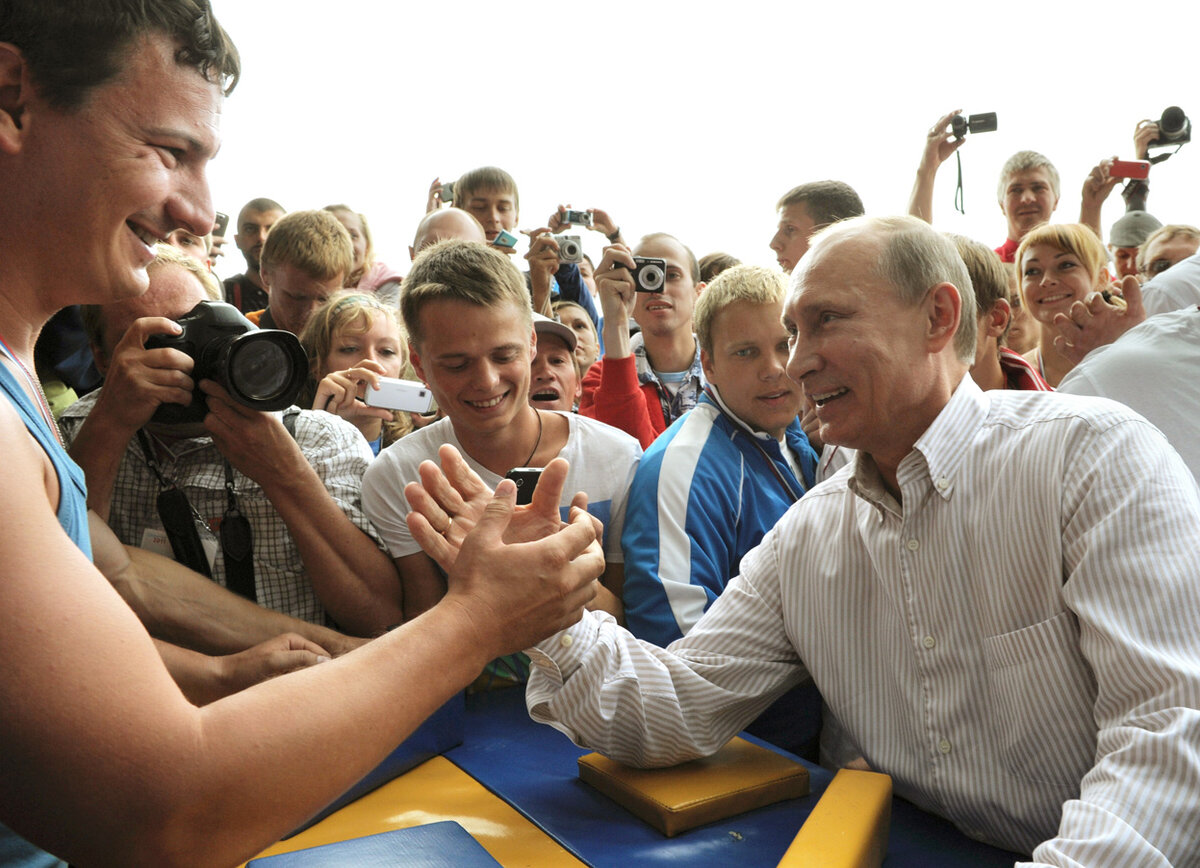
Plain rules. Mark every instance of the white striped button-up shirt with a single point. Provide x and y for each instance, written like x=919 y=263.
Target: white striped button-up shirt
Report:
x=1017 y=643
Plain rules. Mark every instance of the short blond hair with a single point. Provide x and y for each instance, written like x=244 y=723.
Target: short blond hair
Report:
x=1165 y=233
x=315 y=242
x=751 y=283
x=1074 y=238
x=461 y=271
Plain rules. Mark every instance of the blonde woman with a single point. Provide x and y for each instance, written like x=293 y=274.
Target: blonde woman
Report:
x=353 y=340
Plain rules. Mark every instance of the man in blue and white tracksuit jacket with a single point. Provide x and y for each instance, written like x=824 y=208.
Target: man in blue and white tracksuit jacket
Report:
x=705 y=493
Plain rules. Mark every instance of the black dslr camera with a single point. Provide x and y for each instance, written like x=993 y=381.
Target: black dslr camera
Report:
x=980 y=123
x=263 y=369
x=1174 y=128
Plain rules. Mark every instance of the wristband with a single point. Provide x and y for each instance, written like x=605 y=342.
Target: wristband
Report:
x=616 y=233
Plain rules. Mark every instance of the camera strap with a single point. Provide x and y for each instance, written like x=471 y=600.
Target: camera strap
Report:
x=179 y=518
x=237 y=543
x=960 y=204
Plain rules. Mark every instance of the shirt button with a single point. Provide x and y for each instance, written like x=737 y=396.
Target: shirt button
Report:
x=912 y=545
x=942 y=483
x=566 y=640
x=928 y=641
x=944 y=746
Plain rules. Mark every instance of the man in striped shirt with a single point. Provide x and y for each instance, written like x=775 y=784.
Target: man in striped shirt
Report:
x=997 y=599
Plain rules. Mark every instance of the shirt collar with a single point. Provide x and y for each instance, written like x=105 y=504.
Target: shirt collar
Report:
x=937 y=455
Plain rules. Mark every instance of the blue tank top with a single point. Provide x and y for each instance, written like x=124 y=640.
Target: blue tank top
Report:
x=15 y=851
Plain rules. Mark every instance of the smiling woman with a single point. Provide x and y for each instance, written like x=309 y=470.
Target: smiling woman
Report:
x=1059 y=265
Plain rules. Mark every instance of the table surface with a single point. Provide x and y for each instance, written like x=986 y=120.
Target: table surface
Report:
x=514 y=785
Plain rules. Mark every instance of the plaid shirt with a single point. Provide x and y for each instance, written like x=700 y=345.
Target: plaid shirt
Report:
x=673 y=406
x=335 y=449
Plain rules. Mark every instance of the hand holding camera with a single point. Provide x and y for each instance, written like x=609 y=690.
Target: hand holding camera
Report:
x=263 y=369
x=342 y=392
x=616 y=287
x=139 y=379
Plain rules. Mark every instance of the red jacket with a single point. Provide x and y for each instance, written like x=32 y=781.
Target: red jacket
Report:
x=612 y=394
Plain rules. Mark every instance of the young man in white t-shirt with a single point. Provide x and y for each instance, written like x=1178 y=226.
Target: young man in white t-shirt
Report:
x=471 y=338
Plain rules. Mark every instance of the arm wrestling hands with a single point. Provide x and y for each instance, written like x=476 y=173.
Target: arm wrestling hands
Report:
x=522 y=564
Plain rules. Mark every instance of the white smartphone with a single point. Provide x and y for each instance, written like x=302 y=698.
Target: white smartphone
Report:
x=407 y=395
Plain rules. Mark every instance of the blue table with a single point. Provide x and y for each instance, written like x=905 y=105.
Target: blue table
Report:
x=533 y=768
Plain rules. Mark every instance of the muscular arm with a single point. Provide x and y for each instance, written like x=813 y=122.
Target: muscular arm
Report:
x=185 y=608
x=92 y=717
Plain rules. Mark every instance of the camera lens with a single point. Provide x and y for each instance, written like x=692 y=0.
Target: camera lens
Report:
x=650 y=277
x=570 y=250
x=264 y=369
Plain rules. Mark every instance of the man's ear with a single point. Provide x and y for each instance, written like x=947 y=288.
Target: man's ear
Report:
x=15 y=91
x=414 y=358
x=264 y=273
x=412 y=254
x=998 y=318
x=944 y=308
x=706 y=364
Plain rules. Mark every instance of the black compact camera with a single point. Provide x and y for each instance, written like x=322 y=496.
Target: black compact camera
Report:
x=576 y=218
x=526 y=479
x=1174 y=128
x=263 y=369
x=649 y=274
x=569 y=248
x=984 y=122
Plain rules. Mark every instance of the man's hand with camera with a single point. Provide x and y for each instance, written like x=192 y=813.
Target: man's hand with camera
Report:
x=1096 y=187
x=618 y=296
x=940 y=143
x=136 y=382
x=543 y=263
x=600 y=222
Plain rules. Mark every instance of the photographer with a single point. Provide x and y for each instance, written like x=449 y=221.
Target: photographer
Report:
x=646 y=381
x=313 y=549
x=1028 y=191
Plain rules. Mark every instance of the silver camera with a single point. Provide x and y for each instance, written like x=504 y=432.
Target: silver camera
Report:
x=650 y=274
x=576 y=218
x=569 y=248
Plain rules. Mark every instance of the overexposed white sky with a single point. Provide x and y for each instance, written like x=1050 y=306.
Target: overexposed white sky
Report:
x=691 y=119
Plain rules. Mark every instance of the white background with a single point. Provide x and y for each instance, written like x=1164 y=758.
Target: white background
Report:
x=690 y=118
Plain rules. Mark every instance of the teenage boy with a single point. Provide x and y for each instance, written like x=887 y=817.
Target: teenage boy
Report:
x=646 y=381
x=490 y=196
x=306 y=259
x=806 y=210
x=721 y=476
x=472 y=339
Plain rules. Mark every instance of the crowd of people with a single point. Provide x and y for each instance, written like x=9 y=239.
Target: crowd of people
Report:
x=908 y=502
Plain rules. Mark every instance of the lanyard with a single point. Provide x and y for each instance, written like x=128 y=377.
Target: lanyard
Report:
x=783 y=480
x=181 y=522
x=38 y=394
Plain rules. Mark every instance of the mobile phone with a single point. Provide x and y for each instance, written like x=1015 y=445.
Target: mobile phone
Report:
x=220 y=225
x=392 y=394
x=447 y=193
x=526 y=479
x=1136 y=169
x=505 y=239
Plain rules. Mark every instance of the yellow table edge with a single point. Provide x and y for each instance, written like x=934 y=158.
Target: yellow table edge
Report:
x=433 y=791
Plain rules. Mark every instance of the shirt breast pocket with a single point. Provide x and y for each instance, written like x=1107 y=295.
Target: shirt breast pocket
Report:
x=1043 y=696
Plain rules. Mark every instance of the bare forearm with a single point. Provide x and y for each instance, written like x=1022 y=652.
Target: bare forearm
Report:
x=355 y=580
x=616 y=337
x=188 y=609
x=98 y=448
x=192 y=671
x=920 y=201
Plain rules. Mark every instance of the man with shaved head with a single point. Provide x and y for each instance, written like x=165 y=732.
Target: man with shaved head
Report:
x=449 y=224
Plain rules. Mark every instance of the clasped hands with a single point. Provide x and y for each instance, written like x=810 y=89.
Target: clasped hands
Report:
x=526 y=572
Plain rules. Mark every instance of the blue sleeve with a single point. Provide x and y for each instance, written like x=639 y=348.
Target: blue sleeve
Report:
x=572 y=288
x=676 y=564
